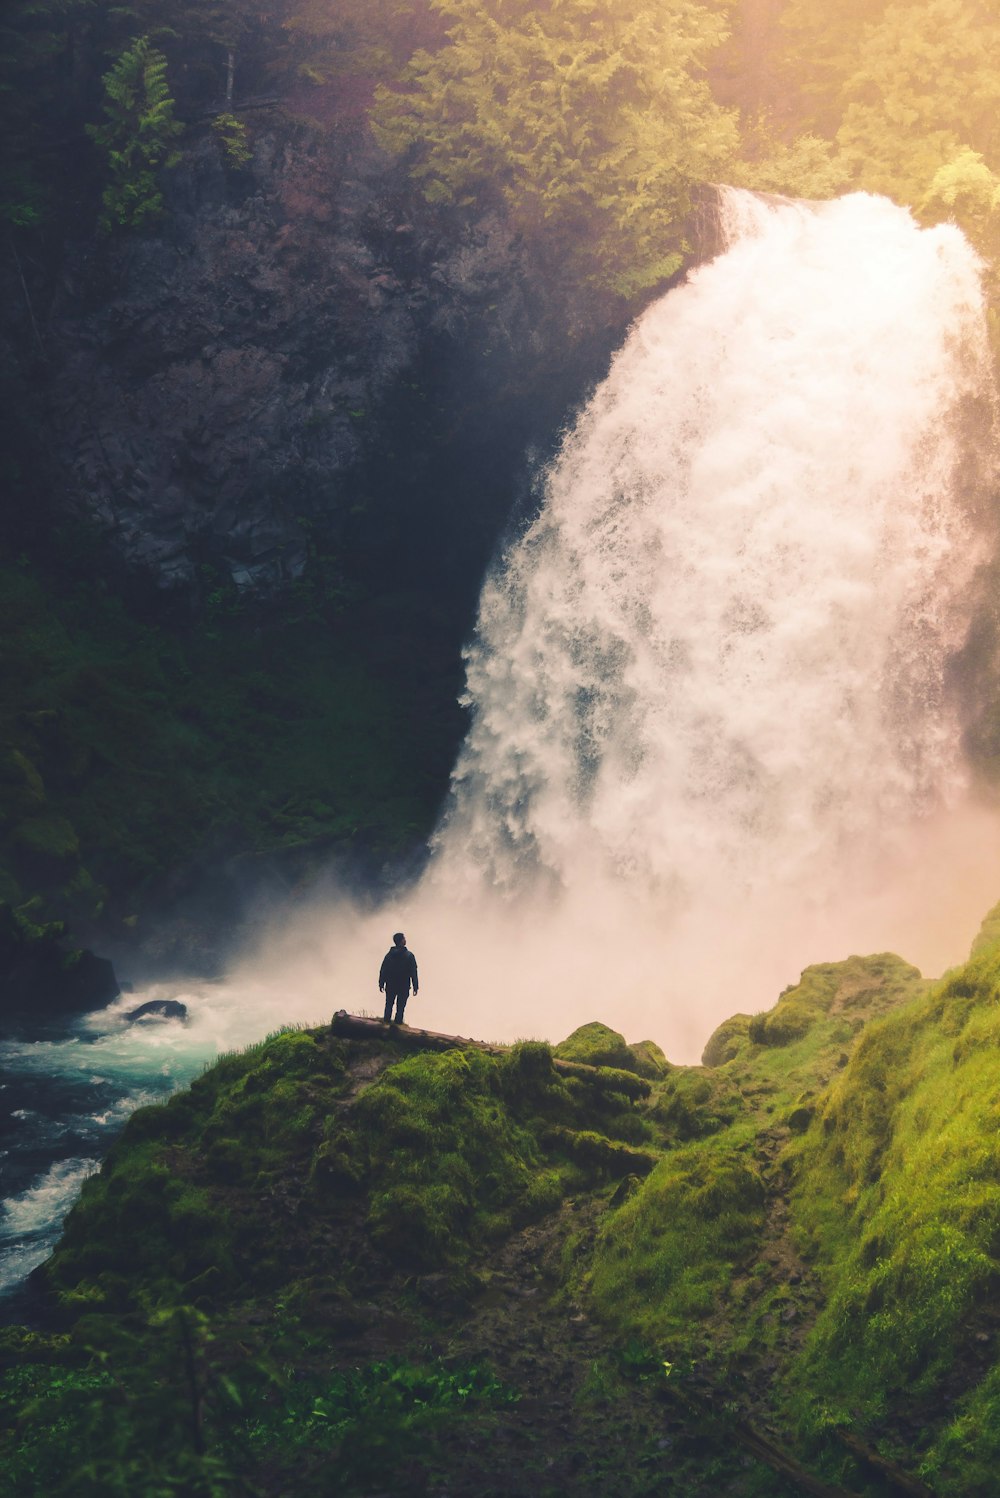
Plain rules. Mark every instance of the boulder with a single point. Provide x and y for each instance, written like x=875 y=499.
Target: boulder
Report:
x=159 y=1009
x=595 y=1044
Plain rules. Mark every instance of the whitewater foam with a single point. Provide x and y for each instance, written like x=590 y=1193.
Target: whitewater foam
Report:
x=30 y=1222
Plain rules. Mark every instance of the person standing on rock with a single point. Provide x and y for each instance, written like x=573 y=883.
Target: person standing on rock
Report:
x=398 y=971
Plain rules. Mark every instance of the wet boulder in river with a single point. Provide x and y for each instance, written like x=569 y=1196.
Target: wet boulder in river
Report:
x=159 y=1009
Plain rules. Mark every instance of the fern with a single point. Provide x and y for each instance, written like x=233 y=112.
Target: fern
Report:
x=136 y=137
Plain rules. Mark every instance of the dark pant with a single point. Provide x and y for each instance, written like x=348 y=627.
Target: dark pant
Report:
x=398 y=997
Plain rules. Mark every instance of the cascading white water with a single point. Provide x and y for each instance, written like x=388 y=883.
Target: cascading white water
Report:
x=719 y=655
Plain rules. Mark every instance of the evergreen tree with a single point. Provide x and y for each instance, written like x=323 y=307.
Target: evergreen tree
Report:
x=903 y=91
x=592 y=122
x=136 y=136
x=925 y=85
x=373 y=38
x=822 y=51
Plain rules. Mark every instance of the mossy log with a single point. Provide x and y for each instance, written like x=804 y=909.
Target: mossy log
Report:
x=610 y=1078
x=898 y=1480
x=782 y=1461
x=359 y=1027
x=762 y=1447
x=616 y=1159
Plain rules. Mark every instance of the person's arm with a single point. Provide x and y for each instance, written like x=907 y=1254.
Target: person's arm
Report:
x=416 y=985
x=381 y=975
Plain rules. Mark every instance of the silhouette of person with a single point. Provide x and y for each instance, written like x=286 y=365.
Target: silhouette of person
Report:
x=398 y=971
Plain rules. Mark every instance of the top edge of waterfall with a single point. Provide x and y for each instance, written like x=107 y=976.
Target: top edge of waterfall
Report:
x=746 y=214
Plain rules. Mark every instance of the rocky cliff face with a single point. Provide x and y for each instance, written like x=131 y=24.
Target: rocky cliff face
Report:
x=305 y=349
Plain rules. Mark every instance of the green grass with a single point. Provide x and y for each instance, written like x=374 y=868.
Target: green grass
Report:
x=665 y=1259
x=231 y=1225
x=898 y=1202
x=810 y=1229
x=436 y=1157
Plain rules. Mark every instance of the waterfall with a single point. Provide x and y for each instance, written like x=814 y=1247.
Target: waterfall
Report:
x=710 y=684
x=720 y=652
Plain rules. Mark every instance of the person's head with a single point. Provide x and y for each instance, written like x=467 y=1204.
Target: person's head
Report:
x=399 y=939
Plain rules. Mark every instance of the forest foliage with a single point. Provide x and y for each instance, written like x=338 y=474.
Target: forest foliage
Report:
x=136 y=136
x=591 y=123
x=905 y=96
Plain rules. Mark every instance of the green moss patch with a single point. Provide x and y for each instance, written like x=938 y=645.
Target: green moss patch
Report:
x=898 y=1202
x=277 y=1151
x=597 y=1045
x=664 y=1260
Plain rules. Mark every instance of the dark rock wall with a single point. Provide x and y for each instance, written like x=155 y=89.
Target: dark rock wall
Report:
x=305 y=348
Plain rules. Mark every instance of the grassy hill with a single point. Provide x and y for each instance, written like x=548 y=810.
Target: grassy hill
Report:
x=356 y=1268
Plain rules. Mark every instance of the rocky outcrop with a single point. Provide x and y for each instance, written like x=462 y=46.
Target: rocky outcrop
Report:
x=40 y=976
x=306 y=354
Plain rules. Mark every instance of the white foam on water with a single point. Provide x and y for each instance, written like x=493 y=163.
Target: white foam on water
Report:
x=30 y=1222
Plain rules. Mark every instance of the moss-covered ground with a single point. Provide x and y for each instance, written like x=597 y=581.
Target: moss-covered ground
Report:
x=338 y=1266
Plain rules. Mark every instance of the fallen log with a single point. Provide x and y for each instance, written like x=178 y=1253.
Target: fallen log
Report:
x=782 y=1461
x=360 y=1027
x=610 y=1078
x=900 y=1481
x=408 y=1037
x=762 y=1447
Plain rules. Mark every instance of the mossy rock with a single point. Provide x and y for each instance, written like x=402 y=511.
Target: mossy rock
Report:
x=40 y=974
x=987 y=938
x=859 y=988
x=596 y=1044
x=50 y=837
x=649 y=1055
x=693 y=1104
x=730 y=1040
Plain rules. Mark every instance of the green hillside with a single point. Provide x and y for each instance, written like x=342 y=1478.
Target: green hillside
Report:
x=361 y=1267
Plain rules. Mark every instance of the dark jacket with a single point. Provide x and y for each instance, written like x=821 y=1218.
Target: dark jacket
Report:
x=398 y=971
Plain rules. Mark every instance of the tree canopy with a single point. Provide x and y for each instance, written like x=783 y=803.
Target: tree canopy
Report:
x=592 y=123
x=136 y=135
x=907 y=95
